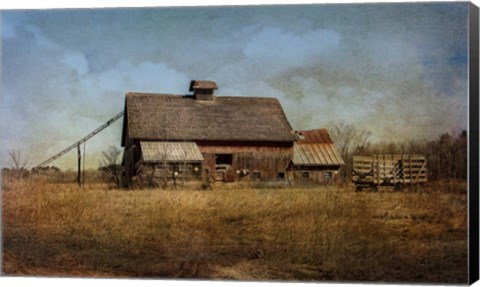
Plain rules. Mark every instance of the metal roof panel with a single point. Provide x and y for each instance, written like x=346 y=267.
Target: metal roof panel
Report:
x=170 y=151
x=316 y=154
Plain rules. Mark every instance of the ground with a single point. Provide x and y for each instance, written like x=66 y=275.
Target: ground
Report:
x=234 y=232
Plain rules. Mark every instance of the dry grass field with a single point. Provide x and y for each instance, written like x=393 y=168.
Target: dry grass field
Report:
x=230 y=232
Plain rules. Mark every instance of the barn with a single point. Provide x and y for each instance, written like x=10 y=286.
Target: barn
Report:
x=315 y=158
x=204 y=136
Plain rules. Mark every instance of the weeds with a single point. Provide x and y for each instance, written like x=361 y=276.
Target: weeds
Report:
x=234 y=233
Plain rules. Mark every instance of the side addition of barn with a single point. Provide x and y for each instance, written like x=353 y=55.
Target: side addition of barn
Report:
x=315 y=160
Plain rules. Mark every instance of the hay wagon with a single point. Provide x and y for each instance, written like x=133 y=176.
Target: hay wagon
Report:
x=397 y=170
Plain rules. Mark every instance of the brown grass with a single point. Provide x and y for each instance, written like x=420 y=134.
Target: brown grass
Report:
x=234 y=233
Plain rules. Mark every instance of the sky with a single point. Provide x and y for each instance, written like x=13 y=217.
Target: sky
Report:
x=399 y=70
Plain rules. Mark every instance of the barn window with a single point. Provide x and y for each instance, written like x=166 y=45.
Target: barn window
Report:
x=281 y=175
x=327 y=175
x=224 y=158
x=305 y=174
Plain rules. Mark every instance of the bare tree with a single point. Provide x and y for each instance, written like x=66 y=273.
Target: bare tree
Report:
x=110 y=167
x=452 y=155
x=18 y=163
x=349 y=139
x=461 y=163
x=447 y=155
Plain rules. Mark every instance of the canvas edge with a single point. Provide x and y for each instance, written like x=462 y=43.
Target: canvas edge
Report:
x=473 y=222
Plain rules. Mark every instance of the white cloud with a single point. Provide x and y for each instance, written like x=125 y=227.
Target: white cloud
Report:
x=277 y=47
x=252 y=88
x=40 y=38
x=64 y=100
x=76 y=61
x=269 y=52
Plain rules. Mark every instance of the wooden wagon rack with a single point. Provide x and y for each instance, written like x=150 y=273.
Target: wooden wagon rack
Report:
x=388 y=170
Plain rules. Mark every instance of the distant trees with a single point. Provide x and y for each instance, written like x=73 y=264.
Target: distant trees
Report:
x=18 y=163
x=447 y=155
x=349 y=139
x=110 y=167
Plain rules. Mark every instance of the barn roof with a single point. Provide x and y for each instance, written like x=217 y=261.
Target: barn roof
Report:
x=176 y=117
x=318 y=136
x=315 y=148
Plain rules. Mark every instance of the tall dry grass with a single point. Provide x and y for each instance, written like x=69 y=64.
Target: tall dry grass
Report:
x=234 y=233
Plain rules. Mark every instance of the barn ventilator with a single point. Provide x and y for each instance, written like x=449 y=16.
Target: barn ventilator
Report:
x=77 y=145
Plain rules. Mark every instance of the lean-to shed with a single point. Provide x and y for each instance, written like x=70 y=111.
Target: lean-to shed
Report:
x=315 y=158
x=206 y=136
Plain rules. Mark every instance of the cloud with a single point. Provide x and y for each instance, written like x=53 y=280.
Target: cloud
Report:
x=76 y=61
x=282 y=50
x=271 y=51
x=52 y=92
x=42 y=41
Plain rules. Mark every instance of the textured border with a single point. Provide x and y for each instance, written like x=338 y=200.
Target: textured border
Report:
x=473 y=146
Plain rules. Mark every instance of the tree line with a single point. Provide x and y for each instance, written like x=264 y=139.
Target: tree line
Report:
x=446 y=155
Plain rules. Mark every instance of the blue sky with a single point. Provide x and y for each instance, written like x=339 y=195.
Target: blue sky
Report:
x=398 y=70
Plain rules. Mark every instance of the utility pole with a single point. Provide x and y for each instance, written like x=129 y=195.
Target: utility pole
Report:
x=79 y=180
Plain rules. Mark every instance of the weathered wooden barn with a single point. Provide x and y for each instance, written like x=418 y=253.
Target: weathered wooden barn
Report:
x=205 y=136
x=315 y=158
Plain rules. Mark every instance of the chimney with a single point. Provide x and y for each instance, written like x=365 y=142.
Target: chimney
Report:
x=203 y=90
